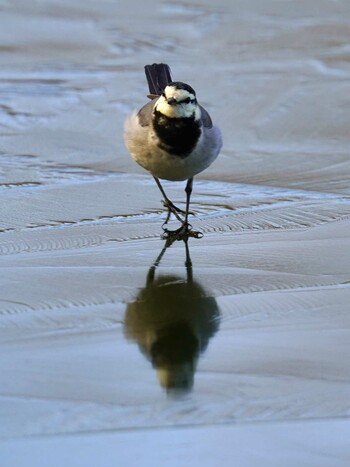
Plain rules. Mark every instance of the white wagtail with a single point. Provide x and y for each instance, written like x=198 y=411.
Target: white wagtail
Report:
x=172 y=137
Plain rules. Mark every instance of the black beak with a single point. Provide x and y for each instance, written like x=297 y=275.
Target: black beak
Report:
x=171 y=101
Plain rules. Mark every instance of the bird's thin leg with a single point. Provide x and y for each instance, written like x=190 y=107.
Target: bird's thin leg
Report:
x=188 y=191
x=186 y=227
x=185 y=230
x=172 y=209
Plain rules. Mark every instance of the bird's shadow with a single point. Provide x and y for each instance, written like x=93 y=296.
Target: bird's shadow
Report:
x=172 y=320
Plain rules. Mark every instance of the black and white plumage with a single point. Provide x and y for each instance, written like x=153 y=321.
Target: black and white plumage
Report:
x=172 y=136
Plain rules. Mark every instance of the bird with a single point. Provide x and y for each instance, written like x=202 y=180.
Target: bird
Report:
x=173 y=138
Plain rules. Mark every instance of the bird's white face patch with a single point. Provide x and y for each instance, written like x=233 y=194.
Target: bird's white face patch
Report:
x=184 y=105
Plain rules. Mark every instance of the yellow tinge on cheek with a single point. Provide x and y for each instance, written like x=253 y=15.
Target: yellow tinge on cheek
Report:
x=178 y=110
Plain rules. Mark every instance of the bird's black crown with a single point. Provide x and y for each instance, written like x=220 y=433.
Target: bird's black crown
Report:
x=180 y=85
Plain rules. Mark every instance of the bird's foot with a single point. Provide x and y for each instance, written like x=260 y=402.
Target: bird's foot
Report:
x=182 y=233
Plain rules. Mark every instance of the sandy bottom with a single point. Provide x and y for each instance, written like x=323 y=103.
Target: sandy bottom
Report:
x=118 y=349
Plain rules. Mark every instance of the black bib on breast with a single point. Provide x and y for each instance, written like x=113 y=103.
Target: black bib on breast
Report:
x=177 y=136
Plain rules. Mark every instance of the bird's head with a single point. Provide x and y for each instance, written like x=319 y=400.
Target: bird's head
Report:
x=178 y=100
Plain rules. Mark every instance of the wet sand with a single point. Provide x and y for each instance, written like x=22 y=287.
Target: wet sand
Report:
x=116 y=349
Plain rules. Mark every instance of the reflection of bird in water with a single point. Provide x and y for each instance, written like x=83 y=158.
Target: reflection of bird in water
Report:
x=172 y=320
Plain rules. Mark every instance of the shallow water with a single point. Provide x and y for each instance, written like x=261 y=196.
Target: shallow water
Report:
x=173 y=352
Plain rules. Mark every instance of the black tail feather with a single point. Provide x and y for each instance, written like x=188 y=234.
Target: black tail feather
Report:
x=158 y=77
